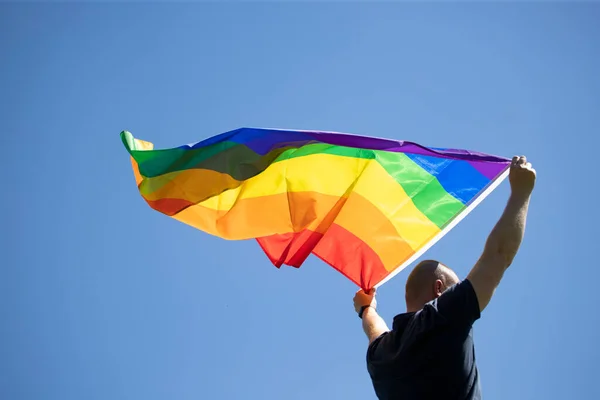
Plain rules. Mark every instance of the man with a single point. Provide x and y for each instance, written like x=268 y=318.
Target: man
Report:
x=429 y=352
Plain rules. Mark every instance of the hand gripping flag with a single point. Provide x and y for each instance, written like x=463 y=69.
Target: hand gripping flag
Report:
x=367 y=207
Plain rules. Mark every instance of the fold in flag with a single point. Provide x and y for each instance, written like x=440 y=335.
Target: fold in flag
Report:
x=366 y=206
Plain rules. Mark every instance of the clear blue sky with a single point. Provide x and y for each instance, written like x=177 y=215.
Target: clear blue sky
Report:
x=101 y=298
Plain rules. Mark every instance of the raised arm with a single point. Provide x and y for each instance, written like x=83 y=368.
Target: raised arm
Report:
x=505 y=239
x=372 y=323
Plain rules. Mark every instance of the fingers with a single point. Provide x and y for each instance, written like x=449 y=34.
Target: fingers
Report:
x=371 y=292
x=525 y=165
x=518 y=161
x=521 y=163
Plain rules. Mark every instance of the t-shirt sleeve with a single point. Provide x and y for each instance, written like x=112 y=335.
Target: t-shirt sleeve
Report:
x=379 y=351
x=459 y=303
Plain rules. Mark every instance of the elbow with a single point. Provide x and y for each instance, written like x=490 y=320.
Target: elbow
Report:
x=503 y=250
x=507 y=252
x=501 y=257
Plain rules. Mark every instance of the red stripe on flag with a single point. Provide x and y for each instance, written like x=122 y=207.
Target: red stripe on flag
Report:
x=289 y=248
x=351 y=256
x=169 y=207
x=338 y=247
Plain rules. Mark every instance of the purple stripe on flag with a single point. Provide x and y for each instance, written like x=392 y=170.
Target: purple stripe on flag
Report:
x=263 y=141
x=489 y=169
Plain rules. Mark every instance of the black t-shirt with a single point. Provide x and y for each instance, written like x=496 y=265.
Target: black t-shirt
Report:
x=429 y=354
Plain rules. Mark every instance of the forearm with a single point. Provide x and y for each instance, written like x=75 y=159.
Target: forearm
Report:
x=500 y=249
x=505 y=239
x=373 y=324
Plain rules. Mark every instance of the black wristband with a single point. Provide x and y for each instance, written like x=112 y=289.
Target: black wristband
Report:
x=362 y=310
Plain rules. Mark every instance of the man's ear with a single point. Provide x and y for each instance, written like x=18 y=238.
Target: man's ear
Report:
x=438 y=288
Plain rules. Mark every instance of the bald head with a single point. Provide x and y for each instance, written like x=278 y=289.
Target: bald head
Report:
x=426 y=282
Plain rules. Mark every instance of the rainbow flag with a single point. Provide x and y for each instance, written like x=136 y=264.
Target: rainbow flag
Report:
x=366 y=206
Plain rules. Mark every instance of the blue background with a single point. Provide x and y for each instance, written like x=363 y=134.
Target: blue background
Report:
x=103 y=298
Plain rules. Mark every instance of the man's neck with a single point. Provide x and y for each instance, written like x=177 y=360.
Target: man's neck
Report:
x=419 y=306
x=413 y=309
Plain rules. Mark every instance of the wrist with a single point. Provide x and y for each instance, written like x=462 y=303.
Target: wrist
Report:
x=520 y=194
x=364 y=309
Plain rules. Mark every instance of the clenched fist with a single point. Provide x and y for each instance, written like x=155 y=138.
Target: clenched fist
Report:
x=362 y=299
x=521 y=176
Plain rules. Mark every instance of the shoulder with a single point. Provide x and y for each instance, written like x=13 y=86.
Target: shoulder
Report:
x=380 y=343
x=389 y=341
x=458 y=302
x=462 y=288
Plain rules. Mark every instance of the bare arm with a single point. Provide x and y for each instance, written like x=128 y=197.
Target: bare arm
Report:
x=505 y=239
x=372 y=323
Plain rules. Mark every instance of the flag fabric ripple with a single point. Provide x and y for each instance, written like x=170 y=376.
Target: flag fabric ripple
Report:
x=366 y=206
